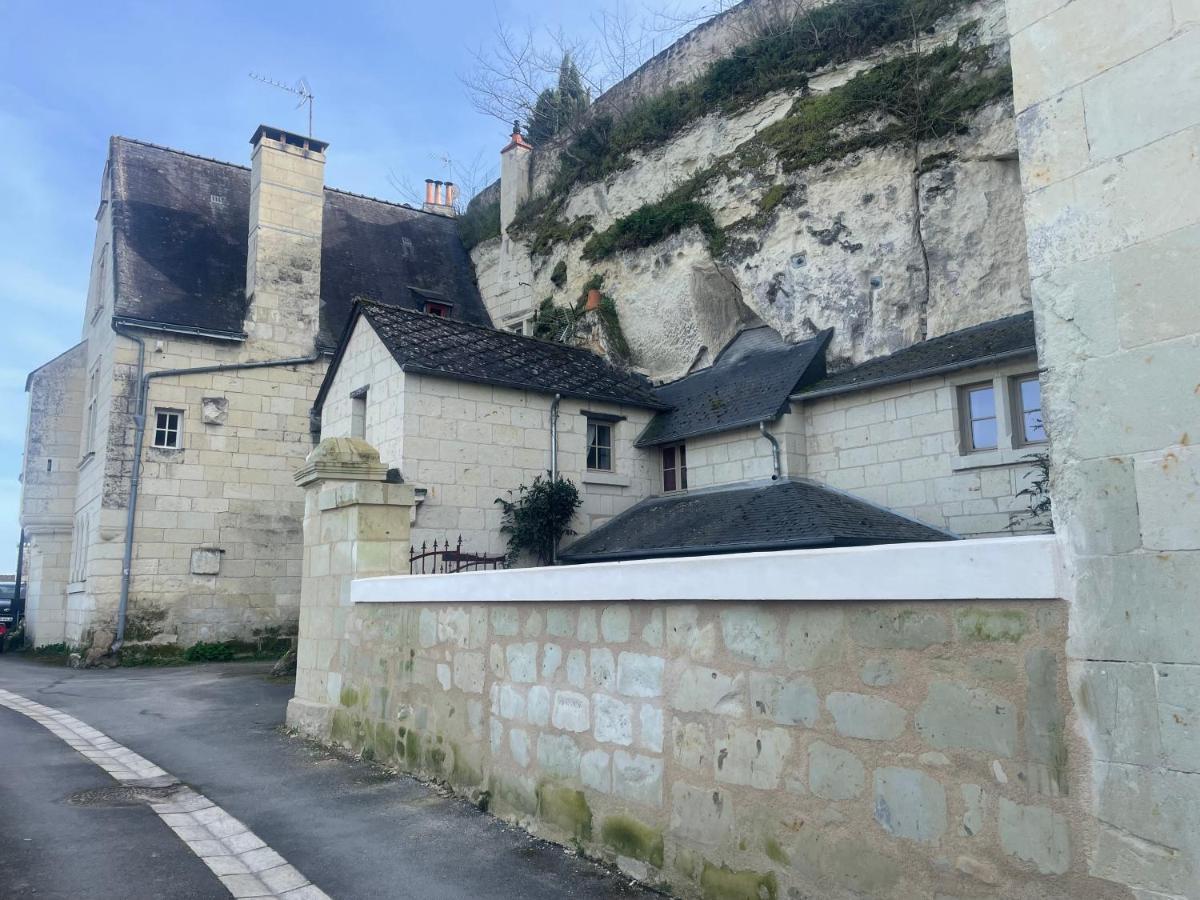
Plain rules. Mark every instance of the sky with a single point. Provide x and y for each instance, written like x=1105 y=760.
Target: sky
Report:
x=389 y=99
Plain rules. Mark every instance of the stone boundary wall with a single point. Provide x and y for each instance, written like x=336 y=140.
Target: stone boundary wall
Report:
x=741 y=750
x=722 y=748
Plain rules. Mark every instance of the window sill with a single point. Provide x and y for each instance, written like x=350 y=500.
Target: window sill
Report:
x=609 y=478
x=987 y=459
x=76 y=587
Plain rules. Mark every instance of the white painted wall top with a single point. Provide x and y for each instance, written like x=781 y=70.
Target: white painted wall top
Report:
x=1015 y=568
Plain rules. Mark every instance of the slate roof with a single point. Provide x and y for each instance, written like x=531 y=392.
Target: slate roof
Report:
x=992 y=341
x=778 y=515
x=446 y=348
x=749 y=381
x=181 y=226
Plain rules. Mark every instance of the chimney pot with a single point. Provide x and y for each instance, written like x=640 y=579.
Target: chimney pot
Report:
x=450 y=193
x=428 y=190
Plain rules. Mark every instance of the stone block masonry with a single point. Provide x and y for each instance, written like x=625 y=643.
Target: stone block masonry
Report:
x=717 y=748
x=731 y=742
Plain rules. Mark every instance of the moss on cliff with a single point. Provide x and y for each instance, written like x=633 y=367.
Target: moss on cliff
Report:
x=782 y=59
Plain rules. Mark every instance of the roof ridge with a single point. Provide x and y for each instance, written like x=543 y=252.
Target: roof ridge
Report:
x=225 y=162
x=988 y=324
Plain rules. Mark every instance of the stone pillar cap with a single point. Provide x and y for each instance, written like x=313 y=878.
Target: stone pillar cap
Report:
x=342 y=459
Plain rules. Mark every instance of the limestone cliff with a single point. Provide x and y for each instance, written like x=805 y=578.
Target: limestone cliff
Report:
x=877 y=194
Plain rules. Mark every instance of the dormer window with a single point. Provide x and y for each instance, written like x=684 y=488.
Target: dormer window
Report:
x=441 y=310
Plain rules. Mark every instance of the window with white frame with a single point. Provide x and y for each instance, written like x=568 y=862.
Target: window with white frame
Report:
x=167 y=429
x=674 y=468
x=981 y=425
x=89 y=441
x=599 y=445
x=1028 y=425
x=522 y=325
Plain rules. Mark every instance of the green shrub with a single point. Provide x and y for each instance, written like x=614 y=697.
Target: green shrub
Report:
x=539 y=517
x=558 y=277
x=480 y=222
x=652 y=223
x=550 y=230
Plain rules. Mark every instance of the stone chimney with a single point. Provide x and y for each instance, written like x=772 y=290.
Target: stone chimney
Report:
x=283 y=263
x=513 y=300
x=514 y=176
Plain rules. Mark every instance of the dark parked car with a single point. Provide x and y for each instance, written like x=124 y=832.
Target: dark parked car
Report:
x=8 y=611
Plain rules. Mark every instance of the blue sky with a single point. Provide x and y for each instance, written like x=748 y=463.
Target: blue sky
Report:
x=388 y=99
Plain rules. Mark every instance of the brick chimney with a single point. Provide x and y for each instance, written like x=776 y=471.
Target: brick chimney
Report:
x=283 y=264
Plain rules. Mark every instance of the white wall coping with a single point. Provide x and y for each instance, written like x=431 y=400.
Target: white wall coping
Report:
x=1010 y=568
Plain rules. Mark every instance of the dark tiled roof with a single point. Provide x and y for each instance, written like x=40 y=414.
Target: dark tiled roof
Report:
x=181 y=224
x=449 y=349
x=1008 y=337
x=776 y=516
x=748 y=382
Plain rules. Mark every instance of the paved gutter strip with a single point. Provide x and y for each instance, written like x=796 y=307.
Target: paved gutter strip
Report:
x=238 y=857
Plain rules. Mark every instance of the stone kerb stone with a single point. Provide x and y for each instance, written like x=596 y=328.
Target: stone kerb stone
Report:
x=355 y=525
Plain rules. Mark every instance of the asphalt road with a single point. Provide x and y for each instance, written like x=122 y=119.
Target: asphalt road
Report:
x=67 y=830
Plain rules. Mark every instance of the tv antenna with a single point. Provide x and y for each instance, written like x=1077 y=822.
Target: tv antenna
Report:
x=300 y=89
x=445 y=159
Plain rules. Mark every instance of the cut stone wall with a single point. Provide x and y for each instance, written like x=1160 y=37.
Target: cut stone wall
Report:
x=729 y=749
x=723 y=748
x=466 y=444
x=900 y=446
x=55 y=422
x=1108 y=102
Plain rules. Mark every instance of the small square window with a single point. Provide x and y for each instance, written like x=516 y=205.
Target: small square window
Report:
x=1027 y=408
x=980 y=423
x=599 y=446
x=674 y=468
x=441 y=310
x=166 y=429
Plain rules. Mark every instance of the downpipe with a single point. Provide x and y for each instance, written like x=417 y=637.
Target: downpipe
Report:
x=554 y=459
x=774 y=441
x=143 y=381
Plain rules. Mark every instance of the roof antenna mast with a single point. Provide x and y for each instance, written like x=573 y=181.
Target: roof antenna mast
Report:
x=300 y=89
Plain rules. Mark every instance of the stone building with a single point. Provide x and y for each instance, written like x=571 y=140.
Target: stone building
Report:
x=760 y=450
x=216 y=297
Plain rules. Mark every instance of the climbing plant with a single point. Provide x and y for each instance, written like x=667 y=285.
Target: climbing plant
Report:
x=538 y=517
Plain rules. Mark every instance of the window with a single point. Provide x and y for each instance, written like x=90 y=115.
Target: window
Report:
x=599 y=446
x=1027 y=410
x=166 y=429
x=674 y=468
x=522 y=325
x=441 y=310
x=89 y=441
x=101 y=276
x=980 y=423
x=358 y=414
